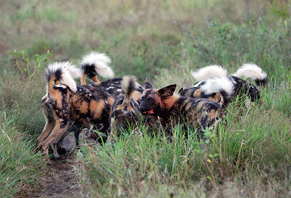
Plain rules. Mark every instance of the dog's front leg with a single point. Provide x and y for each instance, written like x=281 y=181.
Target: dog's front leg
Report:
x=50 y=121
x=49 y=126
x=58 y=132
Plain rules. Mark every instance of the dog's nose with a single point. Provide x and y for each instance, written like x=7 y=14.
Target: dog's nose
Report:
x=141 y=109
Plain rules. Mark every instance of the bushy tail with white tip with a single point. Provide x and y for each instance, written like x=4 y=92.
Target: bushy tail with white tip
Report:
x=252 y=71
x=128 y=85
x=59 y=72
x=96 y=63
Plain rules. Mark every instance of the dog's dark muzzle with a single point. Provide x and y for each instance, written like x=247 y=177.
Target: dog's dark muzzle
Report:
x=145 y=111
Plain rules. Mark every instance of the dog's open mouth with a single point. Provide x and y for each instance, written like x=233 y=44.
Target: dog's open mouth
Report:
x=150 y=112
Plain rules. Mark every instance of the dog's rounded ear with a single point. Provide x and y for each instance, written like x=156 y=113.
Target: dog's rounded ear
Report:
x=148 y=85
x=167 y=91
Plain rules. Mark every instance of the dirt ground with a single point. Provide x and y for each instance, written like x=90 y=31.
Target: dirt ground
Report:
x=61 y=178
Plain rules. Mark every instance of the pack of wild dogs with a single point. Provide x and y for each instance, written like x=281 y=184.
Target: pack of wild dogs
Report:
x=117 y=103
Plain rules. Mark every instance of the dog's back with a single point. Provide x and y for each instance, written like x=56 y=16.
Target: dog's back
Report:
x=217 y=89
x=197 y=92
x=200 y=112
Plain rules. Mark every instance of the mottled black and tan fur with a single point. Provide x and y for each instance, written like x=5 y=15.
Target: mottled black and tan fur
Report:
x=125 y=108
x=214 y=82
x=197 y=92
x=222 y=90
x=67 y=103
x=171 y=108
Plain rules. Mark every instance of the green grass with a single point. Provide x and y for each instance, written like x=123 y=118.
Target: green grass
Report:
x=159 y=42
x=19 y=165
x=246 y=150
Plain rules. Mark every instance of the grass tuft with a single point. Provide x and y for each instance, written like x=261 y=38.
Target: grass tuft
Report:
x=19 y=165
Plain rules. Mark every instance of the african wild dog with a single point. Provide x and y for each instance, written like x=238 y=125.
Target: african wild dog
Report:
x=95 y=64
x=171 y=108
x=66 y=103
x=218 y=86
x=125 y=108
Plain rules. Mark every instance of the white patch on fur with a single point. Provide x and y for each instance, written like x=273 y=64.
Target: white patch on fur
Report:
x=72 y=69
x=111 y=123
x=138 y=86
x=197 y=84
x=62 y=86
x=211 y=71
x=252 y=71
x=214 y=85
x=101 y=63
x=75 y=72
x=66 y=77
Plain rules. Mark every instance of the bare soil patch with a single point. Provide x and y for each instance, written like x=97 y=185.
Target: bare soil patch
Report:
x=61 y=177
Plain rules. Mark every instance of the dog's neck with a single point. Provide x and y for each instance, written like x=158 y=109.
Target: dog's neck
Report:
x=169 y=112
x=169 y=106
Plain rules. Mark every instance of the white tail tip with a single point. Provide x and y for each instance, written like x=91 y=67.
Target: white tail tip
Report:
x=252 y=71
x=66 y=77
x=101 y=63
x=211 y=71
